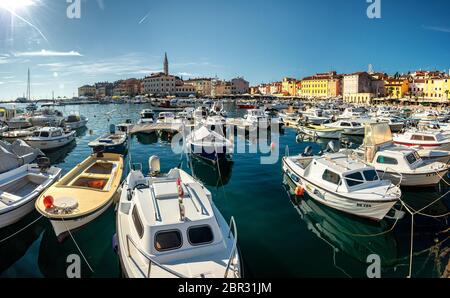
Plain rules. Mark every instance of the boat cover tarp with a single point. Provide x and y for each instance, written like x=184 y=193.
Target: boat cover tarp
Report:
x=17 y=154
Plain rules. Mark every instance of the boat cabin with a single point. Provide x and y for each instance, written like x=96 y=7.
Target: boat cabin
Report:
x=168 y=225
x=397 y=157
x=48 y=133
x=166 y=117
x=341 y=173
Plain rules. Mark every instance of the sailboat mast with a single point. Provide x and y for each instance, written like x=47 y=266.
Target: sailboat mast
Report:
x=28 y=87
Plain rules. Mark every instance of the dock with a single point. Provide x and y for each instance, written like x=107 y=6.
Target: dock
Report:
x=159 y=127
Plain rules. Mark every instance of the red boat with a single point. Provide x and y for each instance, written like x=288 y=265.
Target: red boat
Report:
x=246 y=106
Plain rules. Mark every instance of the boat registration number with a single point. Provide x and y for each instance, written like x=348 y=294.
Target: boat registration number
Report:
x=361 y=205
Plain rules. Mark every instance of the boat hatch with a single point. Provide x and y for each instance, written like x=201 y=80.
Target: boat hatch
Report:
x=102 y=168
x=92 y=183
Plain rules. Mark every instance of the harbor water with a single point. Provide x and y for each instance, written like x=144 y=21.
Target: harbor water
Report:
x=279 y=235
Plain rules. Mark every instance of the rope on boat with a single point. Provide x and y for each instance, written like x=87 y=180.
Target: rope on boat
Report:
x=76 y=244
x=21 y=230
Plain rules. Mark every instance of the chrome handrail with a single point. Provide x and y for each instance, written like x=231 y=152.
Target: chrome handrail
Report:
x=150 y=260
x=234 y=249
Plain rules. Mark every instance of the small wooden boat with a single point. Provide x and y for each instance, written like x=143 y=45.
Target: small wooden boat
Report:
x=114 y=142
x=20 y=187
x=83 y=194
x=320 y=131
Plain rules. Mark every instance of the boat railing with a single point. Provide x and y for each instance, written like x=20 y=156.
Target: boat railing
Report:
x=400 y=178
x=151 y=261
x=382 y=178
x=234 y=252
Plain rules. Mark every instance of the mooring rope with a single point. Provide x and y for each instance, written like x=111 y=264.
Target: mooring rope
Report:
x=76 y=244
x=21 y=230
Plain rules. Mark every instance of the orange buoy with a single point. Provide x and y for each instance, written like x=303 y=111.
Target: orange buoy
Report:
x=48 y=202
x=299 y=191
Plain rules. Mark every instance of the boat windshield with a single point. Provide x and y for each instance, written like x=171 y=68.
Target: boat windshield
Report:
x=371 y=175
x=413 y=158
x=354 y=179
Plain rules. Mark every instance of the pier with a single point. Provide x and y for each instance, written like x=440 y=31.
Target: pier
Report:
x=156 y=127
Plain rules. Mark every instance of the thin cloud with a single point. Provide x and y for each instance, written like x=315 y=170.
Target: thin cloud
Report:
x=144 y=18
x=186 y=74
x=46 y=53
x=438 y=29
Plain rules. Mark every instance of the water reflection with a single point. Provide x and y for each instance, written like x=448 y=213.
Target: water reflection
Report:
x=147 y=138
x=59 y=156
x=81 y=132
x=53 y=255
x=14 y=248
x=349 y=235
x=212 y=175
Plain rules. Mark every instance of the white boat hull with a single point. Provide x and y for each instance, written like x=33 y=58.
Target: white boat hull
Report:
x=76 y=125
x=367 y=209
x=13 y=216
x=415 y=180
x=51 y=144
x=322 y=134
x=62 y=227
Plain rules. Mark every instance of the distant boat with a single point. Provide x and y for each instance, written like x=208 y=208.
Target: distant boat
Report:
x=116 y=141
x=75 y=121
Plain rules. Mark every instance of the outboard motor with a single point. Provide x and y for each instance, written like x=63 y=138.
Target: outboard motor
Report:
x=154 y=165
x=112 y=129
x=43 y=163
x=99 y=150
x=308 y=152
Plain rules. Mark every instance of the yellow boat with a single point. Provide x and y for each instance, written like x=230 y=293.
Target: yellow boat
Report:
x=83 y=194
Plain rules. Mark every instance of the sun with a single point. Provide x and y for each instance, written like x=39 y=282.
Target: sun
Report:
x=15 y=4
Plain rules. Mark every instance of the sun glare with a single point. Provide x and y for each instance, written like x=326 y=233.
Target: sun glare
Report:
x=15 y=4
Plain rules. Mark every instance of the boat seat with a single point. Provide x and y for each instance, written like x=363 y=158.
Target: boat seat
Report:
x=8 y=199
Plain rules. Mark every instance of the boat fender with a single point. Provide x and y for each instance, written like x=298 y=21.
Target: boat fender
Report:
x=48 y=202
x=299 y=191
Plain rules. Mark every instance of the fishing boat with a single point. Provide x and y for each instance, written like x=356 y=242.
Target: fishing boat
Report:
x=116 y=141
x=147 y=116
x=320 y=131
x=75 y=121
x=20 y=187
x=352 y=128
x=83 y=194
x=208 y=144
x=19 y=122
x=423 y=139
x=402 y=165
x=169 y=227
x=343 y=183
x=48 y=138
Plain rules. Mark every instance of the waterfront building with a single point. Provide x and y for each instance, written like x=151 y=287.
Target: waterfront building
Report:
x=396 y=87
x=276 y=88
x=289 y=87
x=239 y=86
x=202 y=86
x=160 y=84
x=362 y=87
x=254 y=90
x=322 y=85
x=220 y=88
x=437 y=88
x=417 y=87
x=86 y=91
x=360 y=98
x=103 y=89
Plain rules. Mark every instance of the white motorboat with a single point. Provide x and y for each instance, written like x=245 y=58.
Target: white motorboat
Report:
x=48 y=138
x=208 y=144
x=19 y=122
x=75 y=121
x=343 y=183
x=47 y=117
x=147 y=116
x=16 y=154
x=166 y=118
x=168 y=226
x=423 y=139
x=396 y=124
x=216 y=123
x=257 y=118
x=316 y=116
x=353 y=113
x=200 y=114
x=20 y=187
x=401 y=165
x=350 y=127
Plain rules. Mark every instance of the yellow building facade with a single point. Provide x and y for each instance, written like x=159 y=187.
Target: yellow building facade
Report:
x=315 y=87
x=289 y=87
x=396 y=88
x=437 y=88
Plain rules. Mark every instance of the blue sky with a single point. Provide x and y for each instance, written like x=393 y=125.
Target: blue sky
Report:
x=262 y=40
